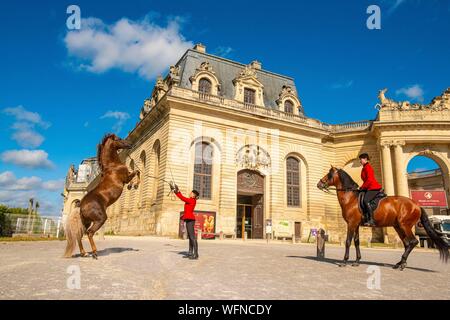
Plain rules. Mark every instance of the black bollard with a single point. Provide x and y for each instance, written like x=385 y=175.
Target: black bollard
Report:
x=321 y=238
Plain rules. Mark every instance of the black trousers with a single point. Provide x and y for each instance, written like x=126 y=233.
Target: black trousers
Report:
x=193 y=245
x=369 y=195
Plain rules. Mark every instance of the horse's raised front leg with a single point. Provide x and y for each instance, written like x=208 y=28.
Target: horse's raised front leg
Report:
x=358 y=251
x=130 y=178
x=348 y=243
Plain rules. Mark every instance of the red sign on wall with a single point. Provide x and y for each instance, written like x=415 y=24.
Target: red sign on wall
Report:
x=430 y=198
x=204 y=221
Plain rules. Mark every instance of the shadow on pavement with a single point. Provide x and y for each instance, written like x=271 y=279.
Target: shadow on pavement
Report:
x=108 y=251
x=369 y=263
x=184 y=253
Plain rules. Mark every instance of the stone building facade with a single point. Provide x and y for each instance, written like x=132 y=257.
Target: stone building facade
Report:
x=239 y=134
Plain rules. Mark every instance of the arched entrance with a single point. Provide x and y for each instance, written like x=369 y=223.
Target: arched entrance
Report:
x=249 y=207
x=428 y=178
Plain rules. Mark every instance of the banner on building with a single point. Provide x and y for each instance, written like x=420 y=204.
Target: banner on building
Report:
x=430 y=198
x=204 y=221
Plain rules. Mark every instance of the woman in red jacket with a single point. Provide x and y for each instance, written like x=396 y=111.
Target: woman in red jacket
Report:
x=189 y=219
x=370 y=187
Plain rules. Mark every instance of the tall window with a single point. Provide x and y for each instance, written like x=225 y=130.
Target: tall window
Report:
x=288 y=106
x=143 y=158
x=203 y=169
x=204 y=86
x=249 y=96
x=293 y=182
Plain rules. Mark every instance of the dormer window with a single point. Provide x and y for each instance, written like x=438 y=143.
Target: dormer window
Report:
x=204 y=86
x=288 y=106
x=249 y=96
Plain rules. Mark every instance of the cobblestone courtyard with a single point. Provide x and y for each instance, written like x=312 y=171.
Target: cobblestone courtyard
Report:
x=154 y=268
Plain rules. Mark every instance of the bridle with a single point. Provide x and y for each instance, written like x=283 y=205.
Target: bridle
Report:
x=326 y=188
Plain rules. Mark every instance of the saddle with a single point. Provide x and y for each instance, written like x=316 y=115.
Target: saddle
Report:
x=373 y=204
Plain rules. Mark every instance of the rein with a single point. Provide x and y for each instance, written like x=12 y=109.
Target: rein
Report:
x=157 y=178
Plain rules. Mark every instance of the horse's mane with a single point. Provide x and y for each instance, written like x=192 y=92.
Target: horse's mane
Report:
x=100 y=148
x=347 y=181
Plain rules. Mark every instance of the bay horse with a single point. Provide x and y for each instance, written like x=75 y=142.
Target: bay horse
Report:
x=399 y=212
x=89 y=215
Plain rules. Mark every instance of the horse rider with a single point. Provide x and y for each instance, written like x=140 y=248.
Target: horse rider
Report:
x=189 y=219
x=370 y=187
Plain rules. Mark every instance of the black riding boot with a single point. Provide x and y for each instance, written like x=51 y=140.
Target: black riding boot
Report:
x=191 y=249
x=195 y=254
x=369 y=217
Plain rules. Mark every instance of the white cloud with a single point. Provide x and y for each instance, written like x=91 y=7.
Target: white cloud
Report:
x=16 y=192
x=7 y=178
x=121 y=118
x=342 y=85
x=224 y=52
x=132 y=46
x=24 y=133
x=27 y=158
x=414 y=92
x=28 y=138
x=22 y=114
x=394 y=5
x=53 y=185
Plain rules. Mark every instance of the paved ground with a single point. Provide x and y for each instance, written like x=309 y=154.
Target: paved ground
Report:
x=153 y=268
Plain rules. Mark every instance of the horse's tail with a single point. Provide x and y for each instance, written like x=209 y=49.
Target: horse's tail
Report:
x=74 y=230
x=440 y=243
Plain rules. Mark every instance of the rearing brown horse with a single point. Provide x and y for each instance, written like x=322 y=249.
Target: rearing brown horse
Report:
x=90 y=216
x=399 y=212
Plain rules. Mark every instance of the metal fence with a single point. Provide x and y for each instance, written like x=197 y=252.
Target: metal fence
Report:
x=47 y=226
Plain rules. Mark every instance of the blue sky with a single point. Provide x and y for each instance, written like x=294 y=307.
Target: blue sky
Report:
x=61 y=91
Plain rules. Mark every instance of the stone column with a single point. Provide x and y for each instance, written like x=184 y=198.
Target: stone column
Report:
x=386 y=164
x=400 y=170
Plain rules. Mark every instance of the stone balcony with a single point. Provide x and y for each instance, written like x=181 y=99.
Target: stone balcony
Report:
x=231 y=104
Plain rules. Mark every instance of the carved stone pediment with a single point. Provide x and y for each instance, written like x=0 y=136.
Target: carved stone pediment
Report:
x=248 y=75
x=253 y=157
x=248 y=79
x=205 y=70
x=287 y=93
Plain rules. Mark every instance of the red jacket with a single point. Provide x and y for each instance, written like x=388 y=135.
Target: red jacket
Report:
x=189 y=206
x=368 y=176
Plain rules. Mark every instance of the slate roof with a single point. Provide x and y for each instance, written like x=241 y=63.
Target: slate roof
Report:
x=227 y=70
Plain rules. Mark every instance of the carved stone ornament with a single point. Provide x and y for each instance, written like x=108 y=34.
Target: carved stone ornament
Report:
x=439 y=103
x=288 y=93
x=253 y=157
x=250 y=181
x=174 y=76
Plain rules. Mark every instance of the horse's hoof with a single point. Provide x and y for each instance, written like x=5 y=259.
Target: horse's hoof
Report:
x=84 y=255
x=398 y=265
x=342 y=264
x=94 y=255
x=402 y=266
x=355 y=264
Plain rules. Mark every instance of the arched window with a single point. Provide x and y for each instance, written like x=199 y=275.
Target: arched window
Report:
x=143 y=167
x=204 y=86
x=203 y=169
x=293 y=182
x=288 y=106
x=155 y=171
